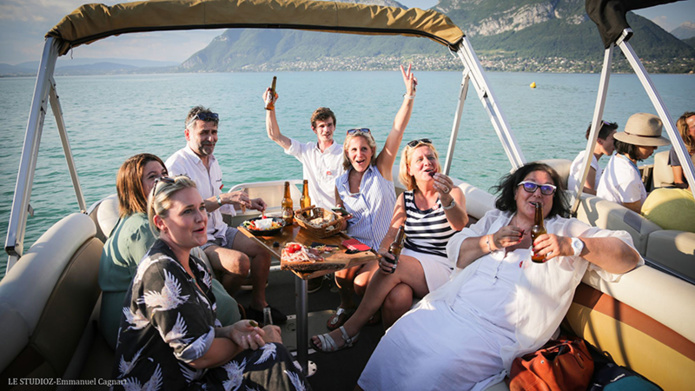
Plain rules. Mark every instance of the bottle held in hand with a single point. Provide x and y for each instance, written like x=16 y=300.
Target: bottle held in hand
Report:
x=270 y=99
x=396 y=247
x=537 y=230
x=287 y=208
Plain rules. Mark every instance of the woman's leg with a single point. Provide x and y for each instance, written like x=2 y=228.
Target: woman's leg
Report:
x=409 y=271
x=397 y=303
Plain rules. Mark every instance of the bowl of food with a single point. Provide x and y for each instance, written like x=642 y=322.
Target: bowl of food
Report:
x=267 y=226
x=322 y=223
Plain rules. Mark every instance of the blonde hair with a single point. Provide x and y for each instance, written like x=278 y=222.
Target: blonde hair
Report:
x=370 y=142
x=159 y=201
x=406 y=179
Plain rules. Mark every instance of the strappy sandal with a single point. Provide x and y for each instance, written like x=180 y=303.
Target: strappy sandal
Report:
x=339 y=318
x=328 y=344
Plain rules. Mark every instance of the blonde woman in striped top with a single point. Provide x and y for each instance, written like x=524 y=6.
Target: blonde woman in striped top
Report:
x=433 y=210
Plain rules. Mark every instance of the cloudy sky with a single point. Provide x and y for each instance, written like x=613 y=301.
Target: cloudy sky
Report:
x=23 y=24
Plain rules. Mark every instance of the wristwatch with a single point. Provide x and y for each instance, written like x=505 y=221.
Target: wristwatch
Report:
x=577 y=246
x=219 y=200
x=451 y=205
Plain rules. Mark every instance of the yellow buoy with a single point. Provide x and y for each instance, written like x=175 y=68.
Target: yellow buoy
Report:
x=533 y=85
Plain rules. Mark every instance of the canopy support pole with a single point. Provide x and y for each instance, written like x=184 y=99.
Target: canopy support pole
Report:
x=595 y=126
x=58 y=113
x=663 y=113
x=487 y=97
x=457 y=121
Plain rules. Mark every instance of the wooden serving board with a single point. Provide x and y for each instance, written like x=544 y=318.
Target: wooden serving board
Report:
x=334 y=261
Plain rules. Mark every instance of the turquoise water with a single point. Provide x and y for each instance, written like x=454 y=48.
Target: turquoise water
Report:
x=110 y=118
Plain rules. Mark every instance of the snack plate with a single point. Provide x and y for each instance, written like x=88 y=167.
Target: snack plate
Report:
x=264 y=232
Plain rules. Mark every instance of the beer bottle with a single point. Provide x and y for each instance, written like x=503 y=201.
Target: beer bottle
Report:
x=270 y=99
x=397 y=245
x=305 y=200
x=287 y=209
x=537 y=230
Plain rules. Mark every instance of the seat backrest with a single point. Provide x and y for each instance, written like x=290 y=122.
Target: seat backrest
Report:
x=663 y=173
x=599 y=212
x=562 y=166
x=674 y=251
x=478 y=201
x=47 y=298
x=105 y=216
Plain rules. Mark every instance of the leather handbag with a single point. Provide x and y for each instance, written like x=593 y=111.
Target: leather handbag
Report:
x=561 y=365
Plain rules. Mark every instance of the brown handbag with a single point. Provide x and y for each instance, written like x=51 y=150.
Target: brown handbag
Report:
x=561 y=365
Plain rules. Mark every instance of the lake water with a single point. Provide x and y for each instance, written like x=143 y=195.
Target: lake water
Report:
x=110 y=118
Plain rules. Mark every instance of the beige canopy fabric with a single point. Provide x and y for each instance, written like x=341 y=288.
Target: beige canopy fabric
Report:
x=92 y=22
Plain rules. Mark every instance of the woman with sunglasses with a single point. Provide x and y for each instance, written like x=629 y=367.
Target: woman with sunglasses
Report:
x=170 y=337
x=366 y=191
x=432 y=210
x=130 y=240
x=498 y=304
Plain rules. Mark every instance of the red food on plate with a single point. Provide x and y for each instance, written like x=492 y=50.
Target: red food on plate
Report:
x=295 y=252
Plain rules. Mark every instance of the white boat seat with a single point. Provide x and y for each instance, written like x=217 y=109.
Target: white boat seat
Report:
x=562 y=166
x=602 y=213
x=662 y=175
x=673 y=250
x=47 y=298
x=106 y=216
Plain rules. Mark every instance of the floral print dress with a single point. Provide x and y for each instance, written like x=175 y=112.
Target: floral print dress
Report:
x=169 y=321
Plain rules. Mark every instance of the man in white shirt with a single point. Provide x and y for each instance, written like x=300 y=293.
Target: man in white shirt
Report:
x=231 y=254
x=604 y=146
x=322 y=161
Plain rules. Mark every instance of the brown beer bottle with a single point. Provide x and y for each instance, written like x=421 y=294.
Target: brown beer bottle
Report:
x=537 y=230
x=305 y=200
x=270 y=99
x=397 y=245
x=287 y=209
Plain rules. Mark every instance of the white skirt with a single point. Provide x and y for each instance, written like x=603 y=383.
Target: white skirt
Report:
x=437 y=269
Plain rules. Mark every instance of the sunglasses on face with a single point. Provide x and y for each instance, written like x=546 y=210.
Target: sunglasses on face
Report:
x=415 y=143
x=205 y=117
x=531 y=187
x=358 y=130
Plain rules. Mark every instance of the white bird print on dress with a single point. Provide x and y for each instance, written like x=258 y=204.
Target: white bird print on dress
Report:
x=295 y=380
x=169 y=298
x=144 y=264
x=155 y=382
x=269 y=350
x=235 y=372
x=178 y=331
x=124 y=366
x=189 y=373
x=207 y=278
x=136 y=319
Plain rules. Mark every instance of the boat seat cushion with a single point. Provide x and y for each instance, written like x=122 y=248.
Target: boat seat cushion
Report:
x=47 y=299
x=478 y=202
x=602 y=213
x=674 y=250
x=562 y=166
x=671 y=209
x=107 y=216
x=663 y=173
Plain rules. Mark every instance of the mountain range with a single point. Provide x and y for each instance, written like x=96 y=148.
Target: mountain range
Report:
x=507 y=35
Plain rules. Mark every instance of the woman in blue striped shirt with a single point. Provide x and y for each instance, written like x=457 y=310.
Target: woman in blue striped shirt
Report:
x=366 y=191
x=432 y=210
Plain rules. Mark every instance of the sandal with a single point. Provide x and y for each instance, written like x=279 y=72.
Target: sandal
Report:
x=339 y=318
x=328 y=343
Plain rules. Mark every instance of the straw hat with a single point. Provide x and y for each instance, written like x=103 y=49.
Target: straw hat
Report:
x=643 y=129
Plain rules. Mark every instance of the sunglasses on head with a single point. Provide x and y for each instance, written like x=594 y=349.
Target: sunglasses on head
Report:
x=205 y=117
x=532 y=186
x=414 y=143
x=358 y=130
x=162 y=179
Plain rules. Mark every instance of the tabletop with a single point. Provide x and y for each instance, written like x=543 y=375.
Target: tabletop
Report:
x=334 y=260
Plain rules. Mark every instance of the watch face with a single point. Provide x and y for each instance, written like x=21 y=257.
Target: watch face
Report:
x=577 y=246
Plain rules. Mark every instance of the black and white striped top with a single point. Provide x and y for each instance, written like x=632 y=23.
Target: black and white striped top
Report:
x=426 y=231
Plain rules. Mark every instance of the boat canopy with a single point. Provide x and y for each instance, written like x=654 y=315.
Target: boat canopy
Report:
x=92 y=22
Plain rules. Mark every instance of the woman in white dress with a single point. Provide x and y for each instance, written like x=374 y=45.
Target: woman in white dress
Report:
x=499 y=304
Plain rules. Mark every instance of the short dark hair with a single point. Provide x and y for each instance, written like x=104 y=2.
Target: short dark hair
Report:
x=322 y=114
x=623 y=148
x=509 y=183
x=197 y=110
x=605 y=131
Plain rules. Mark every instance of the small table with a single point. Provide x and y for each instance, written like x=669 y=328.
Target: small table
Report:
x=336 y=261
